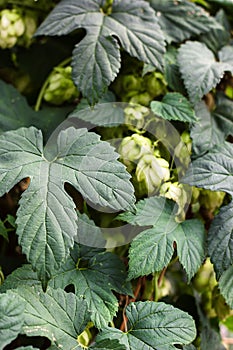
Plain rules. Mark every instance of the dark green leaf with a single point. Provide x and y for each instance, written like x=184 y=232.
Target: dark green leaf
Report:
x=181 y=19
x=108 y=344
x=77 y=157
x=153 y=326
x=223 y=114
x=96 y=59
x=56 y=315
x=226 y=55
x=214 y=170
x=211 y=339
x=225 y=286
x=11 y=317
x=172 y=72
x=220 y=240
x=3 y=231
x=174 y=106
x=216 y=38
x=153 y=248
x=94 y=275
x=205 y=133
x=199 y=69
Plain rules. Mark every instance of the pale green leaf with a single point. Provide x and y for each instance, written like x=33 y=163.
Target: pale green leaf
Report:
x=199 y=68
x=96 y=59
x=225 y=285
x=220 y=240
x=94 y=274
x=27 y=348
x=174 y=106
x=153 y=248
x=182 y=19
x=11 y=317
x=205 y=133
x=214 y=170
x=46 y=219
x=56 y=315
x=153 y=326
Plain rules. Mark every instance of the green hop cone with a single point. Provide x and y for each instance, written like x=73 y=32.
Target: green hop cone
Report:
x=178 y=194
x=211 y=200
x=131 y=82
x=143 y=98
x=151 y=172
x=155 y=84
x=61 y=87
x=135 y=117
x=11 y=27
x=132 y=148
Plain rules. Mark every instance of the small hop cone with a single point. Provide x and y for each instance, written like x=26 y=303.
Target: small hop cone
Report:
x=211 y=200
x=11 y=27
x=61 y=87
x=151 y=172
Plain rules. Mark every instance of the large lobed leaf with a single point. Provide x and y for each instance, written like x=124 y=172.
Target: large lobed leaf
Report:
x=182 y=19
x=153 y=248
x=47 y=222
x=153 y=326
x=56 y=315
x=96 y=59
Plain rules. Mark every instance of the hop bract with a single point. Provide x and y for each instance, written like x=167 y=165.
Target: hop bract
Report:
x=135 y=117
x=152 y=171
x=61 y=87
x=11 y=27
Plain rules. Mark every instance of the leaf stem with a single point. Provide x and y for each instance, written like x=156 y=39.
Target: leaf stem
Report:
x=156 y=285
x=44 y=86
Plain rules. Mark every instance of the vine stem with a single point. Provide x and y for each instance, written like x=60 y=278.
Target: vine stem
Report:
x=44 y=86
x=156 y=286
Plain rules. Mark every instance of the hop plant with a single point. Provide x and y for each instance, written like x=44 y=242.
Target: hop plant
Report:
x=11 y=27
x=155 y=84
x=61 y=87
x=151 y=172
x=133 y=147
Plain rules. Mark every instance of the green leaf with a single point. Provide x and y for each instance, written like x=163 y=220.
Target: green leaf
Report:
x=199 y=69
x=96 y=59
x=172 y=72
x=153 y=248
x=108 y=113
x=15 y=112
x=23 y=276
x=11 y=317
x=189 y=347
x=211 y=339
x=226 y=55
x=225 y=286
x=108 y=344
x=205 y=133
x=153 y=326
x=77 y=157
x=216 y=38
x=56 y=315
x=223 y=114
x=3 y=231
x=174 y=106
x=27 y=348
x=214 y=170
x=181 y=19
x=220 y=240
x=94 y=274
x=14 y=109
